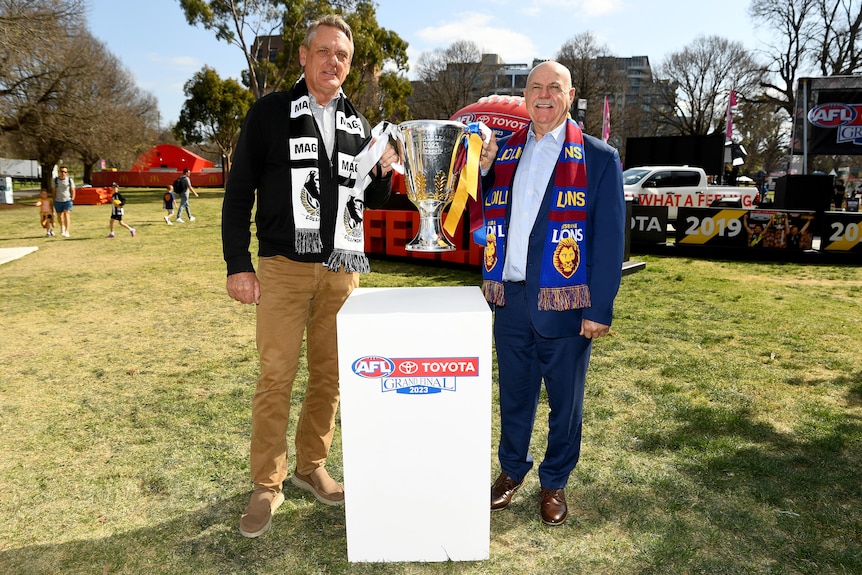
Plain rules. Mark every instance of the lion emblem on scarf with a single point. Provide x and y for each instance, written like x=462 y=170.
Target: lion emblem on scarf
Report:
x=567 y=257
x=490 y=251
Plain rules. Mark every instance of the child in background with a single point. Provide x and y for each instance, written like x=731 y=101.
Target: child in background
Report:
x=169 y=204
x=46 y=212
x=117 y=203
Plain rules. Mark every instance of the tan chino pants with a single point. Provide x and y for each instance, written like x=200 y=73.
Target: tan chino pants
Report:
x=296 y=299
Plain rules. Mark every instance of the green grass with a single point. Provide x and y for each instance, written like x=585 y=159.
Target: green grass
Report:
x=722 y=434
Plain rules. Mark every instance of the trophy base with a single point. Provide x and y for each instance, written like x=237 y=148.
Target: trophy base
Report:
x=441 y=245
x=430 y=237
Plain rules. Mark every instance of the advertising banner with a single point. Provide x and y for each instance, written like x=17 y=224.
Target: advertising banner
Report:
x=746 y=229
x=827 y=118
x=648 y=224
x=842 y=232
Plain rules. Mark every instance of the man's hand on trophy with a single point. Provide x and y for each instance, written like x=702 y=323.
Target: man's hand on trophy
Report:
x=389 y=157
x=489 y=153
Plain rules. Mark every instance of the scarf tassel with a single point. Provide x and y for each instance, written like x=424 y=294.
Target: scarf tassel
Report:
x=494 y=292
x=352 y=261
x=308 y=241
x=564 y=298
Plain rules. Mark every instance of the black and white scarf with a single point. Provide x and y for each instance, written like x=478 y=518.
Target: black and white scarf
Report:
x=350 y=136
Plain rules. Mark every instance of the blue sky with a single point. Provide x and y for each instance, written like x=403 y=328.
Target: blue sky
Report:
x=162 y=51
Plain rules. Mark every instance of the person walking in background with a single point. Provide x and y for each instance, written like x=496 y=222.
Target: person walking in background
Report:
x=46 y=212
x=554 y=212
x=297 y=159
x=117 y=211
x=168 y=202
x=64 y=199
x=182 y=187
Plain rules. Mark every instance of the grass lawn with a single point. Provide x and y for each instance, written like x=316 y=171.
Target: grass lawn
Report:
x=722 y=433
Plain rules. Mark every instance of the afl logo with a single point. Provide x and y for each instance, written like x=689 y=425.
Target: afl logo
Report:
x=831 y=115
x=372 y=367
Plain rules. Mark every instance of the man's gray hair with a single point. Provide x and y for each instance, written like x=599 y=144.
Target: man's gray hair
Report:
x=333 y=21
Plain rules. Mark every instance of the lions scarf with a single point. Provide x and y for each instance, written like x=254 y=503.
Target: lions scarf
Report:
x=307 y=153
x=563 y=277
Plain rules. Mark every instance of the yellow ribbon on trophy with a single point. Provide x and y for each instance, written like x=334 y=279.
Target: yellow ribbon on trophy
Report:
x=468 y=180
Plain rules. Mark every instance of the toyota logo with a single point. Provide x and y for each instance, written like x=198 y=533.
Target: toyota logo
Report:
x=409 y=367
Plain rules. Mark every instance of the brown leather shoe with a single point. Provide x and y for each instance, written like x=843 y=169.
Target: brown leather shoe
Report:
x=554 y=509
x=502 y=491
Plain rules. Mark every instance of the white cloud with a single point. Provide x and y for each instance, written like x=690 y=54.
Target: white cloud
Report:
x=190 y=64
x=573 y=9
x=513 y=46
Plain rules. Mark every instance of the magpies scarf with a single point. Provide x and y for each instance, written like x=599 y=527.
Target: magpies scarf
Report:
x=307 y=156
x=563 y=277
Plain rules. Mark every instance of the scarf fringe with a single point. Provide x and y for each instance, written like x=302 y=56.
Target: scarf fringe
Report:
x=308 y=241
x=494 y=292
x=351 y=261
x=564 y=298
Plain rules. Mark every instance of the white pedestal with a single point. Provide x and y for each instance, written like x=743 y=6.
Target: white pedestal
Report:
x=415 y=371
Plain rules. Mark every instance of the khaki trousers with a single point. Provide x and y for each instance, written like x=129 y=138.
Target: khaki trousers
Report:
x=295 y=299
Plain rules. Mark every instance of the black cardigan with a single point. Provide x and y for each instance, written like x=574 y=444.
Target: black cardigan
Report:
x=261 y=164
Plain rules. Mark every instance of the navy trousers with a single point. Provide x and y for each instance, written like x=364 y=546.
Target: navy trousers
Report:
x=525 y=359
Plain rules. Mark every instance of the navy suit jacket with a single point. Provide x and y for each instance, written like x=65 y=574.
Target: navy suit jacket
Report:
x=605 y=242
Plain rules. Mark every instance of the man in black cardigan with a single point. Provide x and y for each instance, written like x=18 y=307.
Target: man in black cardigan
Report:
x=297 y=157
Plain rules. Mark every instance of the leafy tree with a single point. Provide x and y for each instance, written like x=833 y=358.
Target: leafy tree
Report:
x=704 y=73
x=239 y=22
x=213 y=111
x=448 y=79
x=374 y=49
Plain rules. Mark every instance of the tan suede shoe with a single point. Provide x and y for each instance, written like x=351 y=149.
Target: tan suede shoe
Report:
x=257 y=517
x=321 y=485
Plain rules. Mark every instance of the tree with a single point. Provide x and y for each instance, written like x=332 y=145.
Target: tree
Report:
x=838 y=37
x=763 y=131
x=792 y=26
x=448 y=79
x=213 y=112
x=704 y=73
x=807 y=37
x=29 y=67
x=593 y=76
x=239 y=22
x=372 y=93
x=111 y=118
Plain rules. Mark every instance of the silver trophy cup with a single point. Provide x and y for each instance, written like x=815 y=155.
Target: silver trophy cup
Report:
x=427 y=148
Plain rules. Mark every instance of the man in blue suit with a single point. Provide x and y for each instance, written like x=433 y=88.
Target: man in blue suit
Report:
x=554 y=215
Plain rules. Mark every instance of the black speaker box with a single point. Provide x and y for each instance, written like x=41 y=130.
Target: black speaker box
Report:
x=796 y=192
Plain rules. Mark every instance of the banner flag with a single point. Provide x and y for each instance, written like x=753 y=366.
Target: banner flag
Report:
x=606 y=121
x=731 y=104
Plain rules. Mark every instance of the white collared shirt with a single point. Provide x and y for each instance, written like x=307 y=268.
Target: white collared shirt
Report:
x=325 y=118
x=532 y=176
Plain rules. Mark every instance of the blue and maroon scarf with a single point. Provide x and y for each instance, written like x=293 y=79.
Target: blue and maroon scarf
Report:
x=563 y=279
